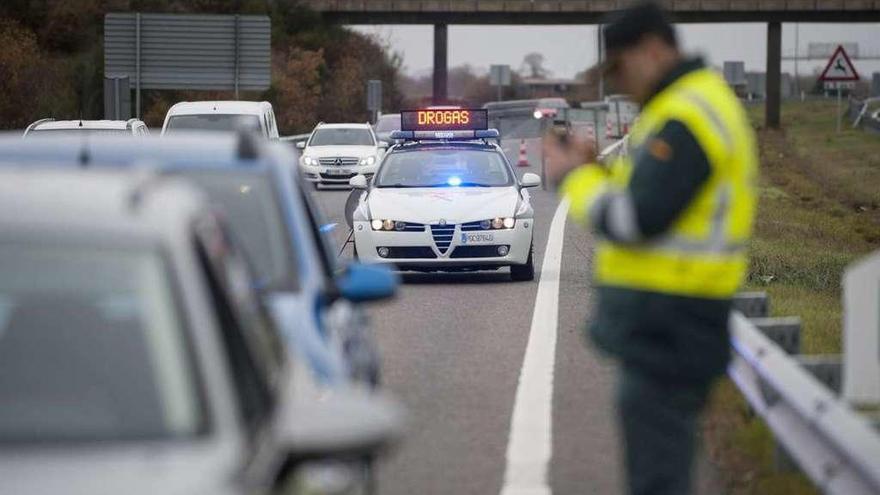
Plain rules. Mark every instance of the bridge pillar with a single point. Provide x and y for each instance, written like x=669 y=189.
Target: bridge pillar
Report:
x=774 y=77
x=440 y=64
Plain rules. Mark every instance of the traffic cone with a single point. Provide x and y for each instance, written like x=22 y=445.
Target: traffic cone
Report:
x=608 y=129
x=591 y=132
x=523 y=155
x=625 y=128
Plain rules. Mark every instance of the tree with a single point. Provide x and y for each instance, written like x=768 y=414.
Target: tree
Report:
x=533 y=66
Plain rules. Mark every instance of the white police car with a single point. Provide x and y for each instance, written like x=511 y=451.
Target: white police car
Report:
x=446 y=199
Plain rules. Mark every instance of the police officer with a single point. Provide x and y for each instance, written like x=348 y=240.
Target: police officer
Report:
x=672 y=219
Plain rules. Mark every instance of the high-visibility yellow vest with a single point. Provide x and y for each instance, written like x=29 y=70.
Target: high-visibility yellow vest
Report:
x=703 y=254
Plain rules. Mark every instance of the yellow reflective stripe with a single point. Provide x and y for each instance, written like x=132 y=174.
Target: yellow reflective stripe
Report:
x=688 y=274
x=582 y=187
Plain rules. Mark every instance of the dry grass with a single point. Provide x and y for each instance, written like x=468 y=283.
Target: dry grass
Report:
x=818 y=213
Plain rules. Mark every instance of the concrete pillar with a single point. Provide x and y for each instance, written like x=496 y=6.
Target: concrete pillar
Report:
x=440 y=66
x=774 y=70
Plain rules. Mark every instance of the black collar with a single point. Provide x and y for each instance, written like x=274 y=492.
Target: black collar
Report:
x=684 y=67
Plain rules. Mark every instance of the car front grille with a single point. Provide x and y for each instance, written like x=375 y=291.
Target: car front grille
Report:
x=442 y=236
x=342 y=161
x=337 y=177
x=410 y=252
x=471 y=227
x=412 y=227
x=476 y=252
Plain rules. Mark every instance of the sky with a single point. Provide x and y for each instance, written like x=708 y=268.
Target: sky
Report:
x=570 y=49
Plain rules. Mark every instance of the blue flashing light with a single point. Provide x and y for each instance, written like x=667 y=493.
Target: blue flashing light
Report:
x=487 y=134
x=402 y=135
x=454 y=181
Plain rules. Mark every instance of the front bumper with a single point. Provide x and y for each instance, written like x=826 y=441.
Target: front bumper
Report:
x=419 y=251
x=333 y=175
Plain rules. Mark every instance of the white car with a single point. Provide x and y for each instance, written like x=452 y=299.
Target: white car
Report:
x=447 y=205
x=335 y=153
x=233 y=115
x=130 y=127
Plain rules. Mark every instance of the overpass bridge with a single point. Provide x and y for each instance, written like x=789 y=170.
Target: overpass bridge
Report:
x=441 y=13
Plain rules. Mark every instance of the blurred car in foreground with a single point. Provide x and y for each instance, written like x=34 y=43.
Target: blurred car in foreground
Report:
x=335 y=153
x=135 y=356
x=130 y=127
x=252 y=116
x=312 y=302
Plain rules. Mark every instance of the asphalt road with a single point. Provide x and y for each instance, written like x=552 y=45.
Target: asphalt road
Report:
x=453 y=347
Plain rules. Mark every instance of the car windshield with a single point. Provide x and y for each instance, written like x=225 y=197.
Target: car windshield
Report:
x=342 y=137
x=248 y=203
x=214 y=122
x=91 y=347
x=443 y=168
x=388 y=123
x=78 y=131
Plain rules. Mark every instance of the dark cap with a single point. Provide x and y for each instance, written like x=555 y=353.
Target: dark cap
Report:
x=627 y=27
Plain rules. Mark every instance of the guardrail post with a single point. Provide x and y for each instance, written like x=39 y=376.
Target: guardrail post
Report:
x=752 y=304
x=785 y=332
x=828 y=369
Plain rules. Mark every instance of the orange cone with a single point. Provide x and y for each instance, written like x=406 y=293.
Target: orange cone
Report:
x=523 y=155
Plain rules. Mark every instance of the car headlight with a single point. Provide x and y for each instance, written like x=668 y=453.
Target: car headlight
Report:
x=309 y=161
x=370 y=160
x=498 y=223
x=387 y=224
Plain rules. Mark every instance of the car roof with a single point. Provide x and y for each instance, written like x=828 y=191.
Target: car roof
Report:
x=344 y=126
x=234 y=107
x=84 y=124
x=122 y=206
x=195 y=149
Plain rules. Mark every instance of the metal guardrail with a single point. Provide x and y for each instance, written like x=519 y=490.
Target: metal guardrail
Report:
x=835 y=446
x=295 y=138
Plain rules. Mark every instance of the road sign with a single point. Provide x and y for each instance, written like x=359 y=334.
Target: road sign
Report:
x=499 y=75
x=839 y=68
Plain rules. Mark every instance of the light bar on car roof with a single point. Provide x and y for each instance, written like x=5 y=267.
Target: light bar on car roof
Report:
x=445 y=135
x=444 y=119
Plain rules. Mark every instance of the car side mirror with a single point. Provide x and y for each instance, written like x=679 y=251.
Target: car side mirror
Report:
x=343 y=424
x=364 y=283
x=530 y=180
x=359 y=181
x=301 y=145
x=384 y=145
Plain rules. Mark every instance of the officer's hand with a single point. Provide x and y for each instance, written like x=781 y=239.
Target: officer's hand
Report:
x=561 y=157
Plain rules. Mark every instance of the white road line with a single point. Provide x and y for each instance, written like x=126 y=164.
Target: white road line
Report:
x=530 y=445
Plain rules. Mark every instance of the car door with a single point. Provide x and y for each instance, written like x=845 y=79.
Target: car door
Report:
x=349 y=322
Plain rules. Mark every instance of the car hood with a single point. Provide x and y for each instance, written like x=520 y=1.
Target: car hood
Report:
x=430 y=205
x=172 y=469
x=324 y=151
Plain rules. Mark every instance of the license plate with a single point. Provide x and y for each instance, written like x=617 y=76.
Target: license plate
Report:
x=339 y=171
x=476 y=238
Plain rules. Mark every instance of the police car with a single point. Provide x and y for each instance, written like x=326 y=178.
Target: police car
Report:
x=446 y=199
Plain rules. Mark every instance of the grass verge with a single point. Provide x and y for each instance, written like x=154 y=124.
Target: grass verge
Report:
x=819 y=211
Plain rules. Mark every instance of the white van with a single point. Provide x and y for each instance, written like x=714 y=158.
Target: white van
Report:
x=256 y=116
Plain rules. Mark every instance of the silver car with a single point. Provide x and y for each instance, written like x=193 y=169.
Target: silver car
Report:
x=135 y=356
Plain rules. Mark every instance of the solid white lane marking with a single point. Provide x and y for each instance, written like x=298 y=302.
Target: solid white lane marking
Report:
x=530 y=444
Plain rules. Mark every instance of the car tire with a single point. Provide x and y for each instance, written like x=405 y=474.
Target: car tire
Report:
x=526 y=272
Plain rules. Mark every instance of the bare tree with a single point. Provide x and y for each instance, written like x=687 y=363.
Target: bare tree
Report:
x=533 y=66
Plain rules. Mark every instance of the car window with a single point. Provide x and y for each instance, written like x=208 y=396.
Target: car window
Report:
x=214 y=122
x=388 y=123
x=444 y=167
x=251 y=207
x=255 y=349
x=91 y=347
x=342 y=137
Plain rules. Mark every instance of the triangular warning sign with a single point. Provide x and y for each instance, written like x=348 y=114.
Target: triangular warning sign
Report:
x=839 y=68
